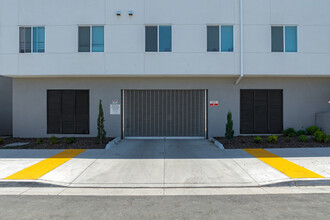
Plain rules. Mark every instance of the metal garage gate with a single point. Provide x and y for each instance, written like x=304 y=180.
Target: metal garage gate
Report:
x=164 y=113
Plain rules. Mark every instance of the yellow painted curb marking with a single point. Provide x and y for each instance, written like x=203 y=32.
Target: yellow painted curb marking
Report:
x=286 y=167
x=39 y=169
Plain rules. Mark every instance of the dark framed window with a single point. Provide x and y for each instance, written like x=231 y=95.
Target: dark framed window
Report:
x=158 y=38
x=32 y=39
x=84 y=39
x=213 y=39
x=25 y=40
x=91 y=37
x=68 y=111
x=151 y=39
x=284 y=38
x=277 y=39
x=220 y=36
x=261 y=111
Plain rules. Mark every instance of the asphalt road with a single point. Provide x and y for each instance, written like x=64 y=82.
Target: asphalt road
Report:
x=299 y=206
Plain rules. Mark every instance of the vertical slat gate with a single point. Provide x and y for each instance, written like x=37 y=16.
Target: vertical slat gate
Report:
x=164 y=113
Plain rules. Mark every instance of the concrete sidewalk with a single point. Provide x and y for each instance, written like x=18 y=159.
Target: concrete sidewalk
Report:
x=166 y=163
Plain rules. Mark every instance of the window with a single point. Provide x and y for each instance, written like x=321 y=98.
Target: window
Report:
x=151 y=39
x=68 y=111
x=165 y=38
x=38 y=39
x=213 y=38
x=98 y=39
x=284 y=38
x=88 y=40
x=163 y=43
x=291 y=39
x=277 y=39
x=32 y=41
x=226 y=37
x=261 y=111
x=84 y=39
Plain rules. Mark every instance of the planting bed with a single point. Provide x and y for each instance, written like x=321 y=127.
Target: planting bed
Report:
x=80 y=143
x=241 y=142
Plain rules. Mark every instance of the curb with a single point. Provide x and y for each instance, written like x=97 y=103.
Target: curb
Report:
x=112 y=143
x=299 y=182
x=51 y=184
x=217 y=143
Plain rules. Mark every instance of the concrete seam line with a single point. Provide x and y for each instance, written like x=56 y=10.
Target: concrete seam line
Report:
x=245 y=171
x=24 y=191
x=81 y=173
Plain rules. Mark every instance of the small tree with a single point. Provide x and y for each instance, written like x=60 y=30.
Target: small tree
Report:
x=229 y=126
x=100 y=125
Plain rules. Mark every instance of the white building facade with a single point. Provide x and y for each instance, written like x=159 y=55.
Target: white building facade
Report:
x=165 y=68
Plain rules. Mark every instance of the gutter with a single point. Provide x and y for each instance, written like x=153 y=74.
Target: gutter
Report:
x=242 y=43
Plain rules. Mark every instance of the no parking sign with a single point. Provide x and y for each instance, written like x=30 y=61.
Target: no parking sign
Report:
x=214 y=103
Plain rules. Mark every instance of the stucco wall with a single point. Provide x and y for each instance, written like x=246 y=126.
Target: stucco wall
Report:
x=6 y=85
x=125 y=37
x=302 y=98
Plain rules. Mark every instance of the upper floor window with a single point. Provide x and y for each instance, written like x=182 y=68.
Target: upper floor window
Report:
x=91 y=39
x=284 y=38
x=223 y=34
x=32 y=41
x=161 y=42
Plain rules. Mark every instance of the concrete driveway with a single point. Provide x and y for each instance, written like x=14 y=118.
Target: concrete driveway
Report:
x=166 y=163
x=158 y=163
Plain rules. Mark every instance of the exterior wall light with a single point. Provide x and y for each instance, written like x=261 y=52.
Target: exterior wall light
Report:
x=131 y=13
x=118 y=13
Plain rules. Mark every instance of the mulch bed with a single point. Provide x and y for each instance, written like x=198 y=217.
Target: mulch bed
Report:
x=241 y=142
x=80 y=143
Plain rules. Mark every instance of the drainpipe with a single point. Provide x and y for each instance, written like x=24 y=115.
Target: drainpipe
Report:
x=242 y=42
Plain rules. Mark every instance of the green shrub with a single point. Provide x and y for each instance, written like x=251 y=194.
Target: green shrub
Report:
x=70 y=140
x=287 y=139
x=101 y=133
x=290 y=132
x=2 y=140
x=303 y=138
x=312 y=129
x=272 y=139
x=53 y=140
x=320 y=136
x=229 y=126
x=40 y=141
x=257 y=139
x=301 y=132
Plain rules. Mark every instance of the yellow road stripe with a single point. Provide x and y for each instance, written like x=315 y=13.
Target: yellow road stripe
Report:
x=286 y=167
x=39 y=169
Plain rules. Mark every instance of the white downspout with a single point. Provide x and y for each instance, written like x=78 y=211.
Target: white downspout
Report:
x=242 y=42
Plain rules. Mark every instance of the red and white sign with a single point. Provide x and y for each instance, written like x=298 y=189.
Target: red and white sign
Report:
x=214 y=103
